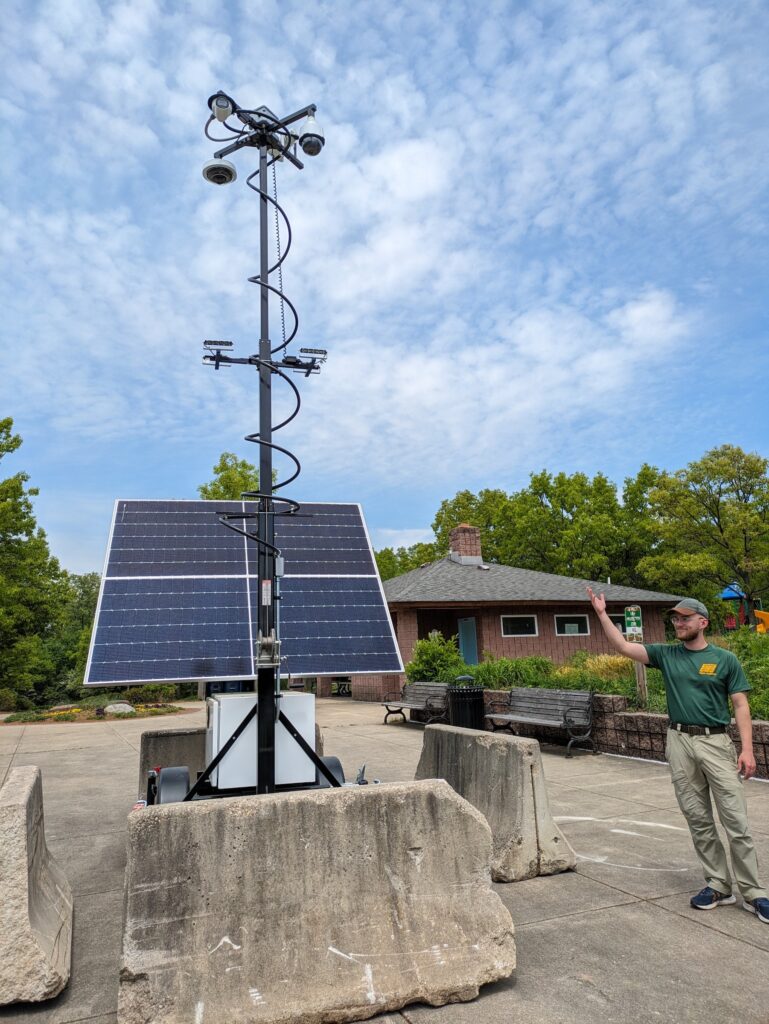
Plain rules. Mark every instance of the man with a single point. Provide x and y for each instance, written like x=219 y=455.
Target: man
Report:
x=699 y=680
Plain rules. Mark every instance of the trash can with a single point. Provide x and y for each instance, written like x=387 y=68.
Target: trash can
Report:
x=466 y=705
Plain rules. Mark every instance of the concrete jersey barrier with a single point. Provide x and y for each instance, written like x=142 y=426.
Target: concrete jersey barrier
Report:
x=35 y=897
x=321 y=906
x=503 y=777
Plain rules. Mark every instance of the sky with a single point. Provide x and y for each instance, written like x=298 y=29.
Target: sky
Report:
x=536 y=238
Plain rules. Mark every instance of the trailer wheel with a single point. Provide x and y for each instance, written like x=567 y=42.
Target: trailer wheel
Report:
x=334 y=765
x=173 y=784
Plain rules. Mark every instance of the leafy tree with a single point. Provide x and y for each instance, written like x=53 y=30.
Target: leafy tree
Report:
x=232 y=477
x=395 y=562
x=712 y=519
x=69 y=641
x=486 y=510
x=570 y=525
x=30 y=586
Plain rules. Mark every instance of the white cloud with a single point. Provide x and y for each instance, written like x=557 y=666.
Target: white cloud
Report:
x=520 y=220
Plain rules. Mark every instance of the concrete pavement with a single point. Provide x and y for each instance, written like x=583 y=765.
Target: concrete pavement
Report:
x=614 y=942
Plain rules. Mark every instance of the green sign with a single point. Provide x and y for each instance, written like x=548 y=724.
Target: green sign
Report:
x=634 y=624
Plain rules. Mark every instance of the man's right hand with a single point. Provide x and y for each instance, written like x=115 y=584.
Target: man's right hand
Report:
x=598 y=601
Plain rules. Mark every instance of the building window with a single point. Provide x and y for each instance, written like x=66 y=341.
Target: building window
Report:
x=571 y=625
x=519 y=625
x=619 y=622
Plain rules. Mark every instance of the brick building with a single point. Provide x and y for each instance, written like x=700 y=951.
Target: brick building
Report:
x=503 y=611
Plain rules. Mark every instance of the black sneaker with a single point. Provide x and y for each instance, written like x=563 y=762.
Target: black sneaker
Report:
x=709 y=899
x=759 y=907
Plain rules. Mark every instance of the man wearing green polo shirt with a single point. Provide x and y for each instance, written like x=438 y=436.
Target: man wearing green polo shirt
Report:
x=699 y=681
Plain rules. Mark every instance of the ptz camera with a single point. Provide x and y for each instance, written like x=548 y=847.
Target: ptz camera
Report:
x=311 y=140
x=219 y=172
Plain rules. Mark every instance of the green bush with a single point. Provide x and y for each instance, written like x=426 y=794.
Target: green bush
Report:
x=753 y=651
x=7 y=700
x=436 y=660
x=505 y=673
x=152 y=693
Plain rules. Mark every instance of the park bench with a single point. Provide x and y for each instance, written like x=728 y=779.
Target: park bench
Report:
x=571 y=710
x=430 y=698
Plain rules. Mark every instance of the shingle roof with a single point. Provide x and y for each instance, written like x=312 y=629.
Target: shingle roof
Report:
x=447 y=580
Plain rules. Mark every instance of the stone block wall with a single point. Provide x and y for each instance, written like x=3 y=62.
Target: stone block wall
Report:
x=616 y=730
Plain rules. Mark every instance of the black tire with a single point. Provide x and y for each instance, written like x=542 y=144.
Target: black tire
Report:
x=334 y=765
x=173 y=785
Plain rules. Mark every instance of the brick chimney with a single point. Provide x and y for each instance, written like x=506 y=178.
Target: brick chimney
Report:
x=465 y=545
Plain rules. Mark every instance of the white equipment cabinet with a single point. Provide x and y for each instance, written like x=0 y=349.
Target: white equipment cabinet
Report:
x=225 y=712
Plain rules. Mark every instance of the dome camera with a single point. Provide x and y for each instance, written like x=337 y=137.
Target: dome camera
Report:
x=311 y=140
x=219 y=172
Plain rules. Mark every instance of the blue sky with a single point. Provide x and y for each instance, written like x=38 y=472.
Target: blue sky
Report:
x=536 y=238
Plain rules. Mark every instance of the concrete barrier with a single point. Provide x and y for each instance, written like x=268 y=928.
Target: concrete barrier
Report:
x=321 y=906
x=502 y=776
x=35 y=897
x=171 y=747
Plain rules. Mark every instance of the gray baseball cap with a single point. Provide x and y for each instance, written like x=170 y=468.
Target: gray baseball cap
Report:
x=690 y=606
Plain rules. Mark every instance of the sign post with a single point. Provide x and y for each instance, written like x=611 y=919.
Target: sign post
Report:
x=634 y=634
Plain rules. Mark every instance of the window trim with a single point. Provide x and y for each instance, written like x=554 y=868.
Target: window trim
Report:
x=518 y=636
x=568 y=615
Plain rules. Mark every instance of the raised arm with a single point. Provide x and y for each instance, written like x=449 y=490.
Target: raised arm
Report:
x=622 y=646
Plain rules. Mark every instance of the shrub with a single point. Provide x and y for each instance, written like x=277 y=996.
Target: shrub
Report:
x=436 y=660
x=505 y=673
x=7 y=700
x=611 y=667
x=152 y=693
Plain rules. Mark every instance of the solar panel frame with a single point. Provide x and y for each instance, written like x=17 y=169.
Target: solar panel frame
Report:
x=357 y=556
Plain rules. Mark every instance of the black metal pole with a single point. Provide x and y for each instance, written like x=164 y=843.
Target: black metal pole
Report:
x=266 y=675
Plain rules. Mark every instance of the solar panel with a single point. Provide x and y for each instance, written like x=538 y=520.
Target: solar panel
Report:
x=178 y=599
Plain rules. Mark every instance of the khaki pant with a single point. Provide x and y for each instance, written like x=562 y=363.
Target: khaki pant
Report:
x=703 y=767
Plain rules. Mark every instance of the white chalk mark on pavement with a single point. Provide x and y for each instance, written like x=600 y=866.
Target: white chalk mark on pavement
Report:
x=640 y=835
x=199 y=1013
x=629 y=867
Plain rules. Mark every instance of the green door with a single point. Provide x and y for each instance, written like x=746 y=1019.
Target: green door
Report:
x=468 y=641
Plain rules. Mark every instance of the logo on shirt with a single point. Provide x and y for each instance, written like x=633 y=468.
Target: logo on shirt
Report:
x=708 y=669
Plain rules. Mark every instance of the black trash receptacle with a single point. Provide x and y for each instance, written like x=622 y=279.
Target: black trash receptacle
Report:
x=466 y=706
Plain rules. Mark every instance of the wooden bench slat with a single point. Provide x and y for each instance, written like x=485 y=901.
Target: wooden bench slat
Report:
x=429 y=697
x=562 y=709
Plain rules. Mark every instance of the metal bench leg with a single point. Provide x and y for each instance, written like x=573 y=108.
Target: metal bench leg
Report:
x=397 y=711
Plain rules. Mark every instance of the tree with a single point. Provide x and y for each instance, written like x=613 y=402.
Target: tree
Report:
x=69 y=641
x=30 y=585
x=486 y=510
x=395 y=562
x=232 y=477
x=712 y=519
x=569 y=525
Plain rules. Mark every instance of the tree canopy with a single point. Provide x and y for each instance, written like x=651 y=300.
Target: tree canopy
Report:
x=232 y=478
x=46 y=613
x=712 y=524
x=692 y=531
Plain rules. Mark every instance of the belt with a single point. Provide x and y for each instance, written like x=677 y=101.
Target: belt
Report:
x=698 y=730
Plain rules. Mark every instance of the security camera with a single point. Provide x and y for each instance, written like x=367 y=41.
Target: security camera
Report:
x=219 y=172
x=220 y=105
x=311 y=140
